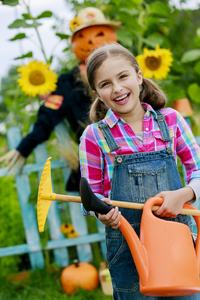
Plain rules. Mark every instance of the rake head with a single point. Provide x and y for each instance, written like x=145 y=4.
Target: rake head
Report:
x=44 y=187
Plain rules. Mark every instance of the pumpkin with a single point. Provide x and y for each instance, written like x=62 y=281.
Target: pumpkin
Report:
x=90 y=38
x=79 y=275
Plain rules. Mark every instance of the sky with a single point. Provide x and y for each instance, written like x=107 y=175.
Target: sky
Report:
x=10 y=50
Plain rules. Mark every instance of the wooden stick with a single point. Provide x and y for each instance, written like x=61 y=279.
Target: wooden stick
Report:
x=132 y=205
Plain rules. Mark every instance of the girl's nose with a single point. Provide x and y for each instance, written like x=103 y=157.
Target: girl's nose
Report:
x=117 y=87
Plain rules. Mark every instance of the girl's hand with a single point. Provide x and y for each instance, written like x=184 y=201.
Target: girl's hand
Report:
x=173 y=202
x=112 y=218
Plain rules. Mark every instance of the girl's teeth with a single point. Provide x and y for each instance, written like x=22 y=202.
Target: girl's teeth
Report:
x=121 y=98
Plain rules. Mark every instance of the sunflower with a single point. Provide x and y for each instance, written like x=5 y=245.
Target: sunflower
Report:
x=36 y=79
x=155 y=63
x=75 y=23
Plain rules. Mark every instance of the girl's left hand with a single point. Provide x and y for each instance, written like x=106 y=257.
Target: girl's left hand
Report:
x=173 y=202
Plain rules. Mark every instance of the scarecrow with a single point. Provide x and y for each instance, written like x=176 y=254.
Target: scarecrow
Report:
x=71 y=99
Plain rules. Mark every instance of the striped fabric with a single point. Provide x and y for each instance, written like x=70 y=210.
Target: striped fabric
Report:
x=97 y=162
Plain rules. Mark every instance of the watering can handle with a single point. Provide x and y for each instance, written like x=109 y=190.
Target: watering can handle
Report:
x=197 y=220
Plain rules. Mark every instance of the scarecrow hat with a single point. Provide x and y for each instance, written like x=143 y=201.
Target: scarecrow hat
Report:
x=91 y=16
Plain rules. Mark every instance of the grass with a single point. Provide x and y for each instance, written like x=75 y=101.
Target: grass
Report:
x=43 y=285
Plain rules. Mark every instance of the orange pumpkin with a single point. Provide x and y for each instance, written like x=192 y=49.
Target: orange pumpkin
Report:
x=89 y=38
x=79 y=275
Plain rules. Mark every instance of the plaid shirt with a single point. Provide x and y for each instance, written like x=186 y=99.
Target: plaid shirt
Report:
x=97 y=161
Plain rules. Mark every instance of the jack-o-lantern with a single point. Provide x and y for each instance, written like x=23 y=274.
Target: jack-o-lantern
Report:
x=90 y=29
x=90 y=38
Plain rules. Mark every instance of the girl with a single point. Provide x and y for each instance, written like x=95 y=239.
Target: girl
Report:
x=129 y=153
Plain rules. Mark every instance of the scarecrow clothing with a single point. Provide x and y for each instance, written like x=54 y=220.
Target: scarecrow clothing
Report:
x=69 y=101
x=136 y=176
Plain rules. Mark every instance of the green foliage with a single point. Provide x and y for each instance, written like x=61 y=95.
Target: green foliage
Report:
x=17 y=109
x=11 y=226
x=147 y=23
x=44 y=285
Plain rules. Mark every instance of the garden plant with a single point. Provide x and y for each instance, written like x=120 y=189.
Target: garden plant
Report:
x=166 y=42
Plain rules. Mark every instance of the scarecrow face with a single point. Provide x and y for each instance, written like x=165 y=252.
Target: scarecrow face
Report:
x=90 y=38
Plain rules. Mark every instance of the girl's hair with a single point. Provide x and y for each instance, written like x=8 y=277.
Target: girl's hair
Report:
x=150 y=92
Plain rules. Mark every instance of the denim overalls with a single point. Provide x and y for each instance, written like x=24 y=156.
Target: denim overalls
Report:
x=137 y=177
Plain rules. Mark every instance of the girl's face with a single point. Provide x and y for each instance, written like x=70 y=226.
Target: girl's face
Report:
x=117 y=85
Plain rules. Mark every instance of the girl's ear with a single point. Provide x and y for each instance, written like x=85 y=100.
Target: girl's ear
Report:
x=96 y=94
x=140 y=78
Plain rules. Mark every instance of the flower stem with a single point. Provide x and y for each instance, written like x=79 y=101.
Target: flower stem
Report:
x=27 y=6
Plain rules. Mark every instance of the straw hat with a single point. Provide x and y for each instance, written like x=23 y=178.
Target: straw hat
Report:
x=91 y=16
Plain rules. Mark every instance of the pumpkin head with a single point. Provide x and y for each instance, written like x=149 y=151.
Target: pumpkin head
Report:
x=79 y=274
x=87 y=39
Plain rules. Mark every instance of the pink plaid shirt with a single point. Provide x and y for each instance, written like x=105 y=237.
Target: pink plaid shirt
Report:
x=97 y=161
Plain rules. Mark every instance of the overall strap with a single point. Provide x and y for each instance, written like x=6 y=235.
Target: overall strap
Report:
x=108 y=136
x=163 y=127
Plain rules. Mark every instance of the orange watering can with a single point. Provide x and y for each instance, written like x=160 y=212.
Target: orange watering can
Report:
x=165 y=257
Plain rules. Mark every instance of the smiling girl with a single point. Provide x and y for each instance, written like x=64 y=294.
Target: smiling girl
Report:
x=129 y=153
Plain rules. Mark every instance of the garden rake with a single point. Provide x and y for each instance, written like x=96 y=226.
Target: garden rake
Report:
x=89 y=200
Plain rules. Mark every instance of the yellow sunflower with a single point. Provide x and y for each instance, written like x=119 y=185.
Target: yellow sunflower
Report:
x=75 y=23
x=36 y=79
x=155 y=63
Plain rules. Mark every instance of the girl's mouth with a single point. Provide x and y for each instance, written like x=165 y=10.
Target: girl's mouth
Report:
x=122 y=99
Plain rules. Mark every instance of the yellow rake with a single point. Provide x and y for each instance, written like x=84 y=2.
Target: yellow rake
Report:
x=89 y=200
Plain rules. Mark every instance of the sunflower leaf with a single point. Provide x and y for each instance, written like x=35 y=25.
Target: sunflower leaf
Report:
x=29 y=54
x=22 y=23
x=197 y=67
x=160 y=9
x=190 y=56
x=62 y=36
x=11 y=2
x=19 y=36
x=45 y=14
x=26 y=16
x=194 y=92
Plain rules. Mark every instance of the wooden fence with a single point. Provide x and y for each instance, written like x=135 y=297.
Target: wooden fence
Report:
x=58 y=242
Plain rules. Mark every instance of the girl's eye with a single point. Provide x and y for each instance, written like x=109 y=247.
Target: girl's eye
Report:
x=105 y=84
x=123 y=76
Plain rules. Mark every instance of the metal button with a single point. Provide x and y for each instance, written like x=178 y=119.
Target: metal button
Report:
x=119 y=160
x=147 y=129
x=169 y=150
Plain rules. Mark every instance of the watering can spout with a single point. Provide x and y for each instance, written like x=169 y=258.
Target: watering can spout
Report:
x=138 y=251
x=93 y=203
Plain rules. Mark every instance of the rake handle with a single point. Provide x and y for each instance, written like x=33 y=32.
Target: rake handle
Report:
x=77 y=199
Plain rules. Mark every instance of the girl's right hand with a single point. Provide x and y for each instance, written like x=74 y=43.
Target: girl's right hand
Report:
x=112 y=218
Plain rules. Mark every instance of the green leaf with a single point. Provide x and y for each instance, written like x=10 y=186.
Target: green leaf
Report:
x=45 y=14
x=124 y=37
x=155 y=39
x=160 y=9
x=11 y=2
x=197 y=67
x=19 y=36
x=22 y=23
x=29 y=54
x=194 y=92
x=62 y=36
x=190 y=56
x=174 y=92
x=132 y=12
x=26 y=16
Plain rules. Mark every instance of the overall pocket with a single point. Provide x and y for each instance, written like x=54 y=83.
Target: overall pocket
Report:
x=147 y=180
